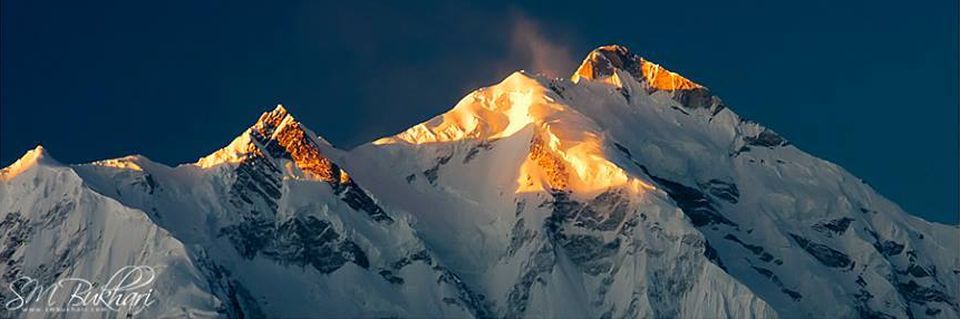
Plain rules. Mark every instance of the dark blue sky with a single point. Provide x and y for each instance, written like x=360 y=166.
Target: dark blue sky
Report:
x=870 y=85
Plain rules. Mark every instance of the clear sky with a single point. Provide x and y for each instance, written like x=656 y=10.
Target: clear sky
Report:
x=869 y=85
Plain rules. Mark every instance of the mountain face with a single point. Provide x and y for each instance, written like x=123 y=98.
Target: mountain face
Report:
x=625 y=191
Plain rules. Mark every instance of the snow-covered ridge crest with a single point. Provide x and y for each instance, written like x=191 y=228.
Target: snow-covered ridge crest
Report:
x=30 y=159
x=488 y=113
x=522 y=99
x=566 y=148
x=127 y=162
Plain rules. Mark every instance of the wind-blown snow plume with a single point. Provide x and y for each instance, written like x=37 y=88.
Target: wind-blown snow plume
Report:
x=537 y=51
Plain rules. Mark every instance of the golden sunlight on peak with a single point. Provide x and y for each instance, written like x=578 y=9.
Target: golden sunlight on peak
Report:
x=663 y=79
x=572 y=163
x=120 y=163
x=269 y=121
x=295 y=143
x=278 y=113
x=305 y=154
x=29 y=159
x=268 y=125
x=603 y=63
x=236 y=151
x=489 y=113
x=565 y=152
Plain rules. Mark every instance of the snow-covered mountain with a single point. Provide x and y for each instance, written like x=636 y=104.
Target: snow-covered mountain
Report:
x=625 y=191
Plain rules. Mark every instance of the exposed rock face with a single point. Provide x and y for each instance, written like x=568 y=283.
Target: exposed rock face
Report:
x=604 y=62
x=284 y=137
x=827 y=256
x=766 y=138
x=553 y=167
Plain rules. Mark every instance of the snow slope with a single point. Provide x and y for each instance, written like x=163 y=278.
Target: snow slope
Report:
x=267 y=226
x=625 y=191
x=54 y=227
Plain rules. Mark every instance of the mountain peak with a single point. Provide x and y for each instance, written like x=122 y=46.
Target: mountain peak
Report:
x=37 y=151
x=270 y=122
x=36 y=156
x=278 y=111
x=276 y=134
x=602 y=63
x=280 y=124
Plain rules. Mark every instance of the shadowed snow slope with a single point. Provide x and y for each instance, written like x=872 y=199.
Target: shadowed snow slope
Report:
x=626 y=191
